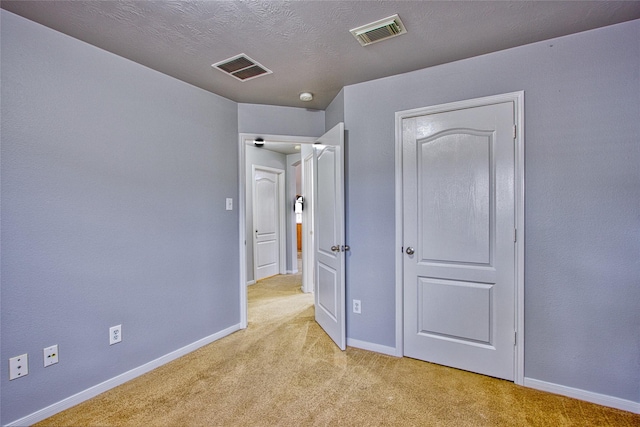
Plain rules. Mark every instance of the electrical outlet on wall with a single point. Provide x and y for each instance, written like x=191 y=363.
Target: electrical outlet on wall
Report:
x=50 y=355
x=115 y=334
x=357 y=306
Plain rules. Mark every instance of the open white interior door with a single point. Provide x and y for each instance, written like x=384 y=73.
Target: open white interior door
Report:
x=329 y=234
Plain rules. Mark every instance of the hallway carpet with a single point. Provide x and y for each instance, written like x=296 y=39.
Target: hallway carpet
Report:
x=284 y=371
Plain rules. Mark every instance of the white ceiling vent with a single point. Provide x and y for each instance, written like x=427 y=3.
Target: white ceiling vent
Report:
x=242 y=67
x=379 y=30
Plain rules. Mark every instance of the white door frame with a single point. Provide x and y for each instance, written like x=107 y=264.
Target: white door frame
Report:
x=518 y=100
x=282 y=242
x=243 y=138
x=307 y=223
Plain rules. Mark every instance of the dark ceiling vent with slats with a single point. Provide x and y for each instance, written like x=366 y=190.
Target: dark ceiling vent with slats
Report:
x=242 y=67
x=379 y=30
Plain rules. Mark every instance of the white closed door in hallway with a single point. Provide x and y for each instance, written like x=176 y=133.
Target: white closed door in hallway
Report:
x=458 y=237
x=266 y=222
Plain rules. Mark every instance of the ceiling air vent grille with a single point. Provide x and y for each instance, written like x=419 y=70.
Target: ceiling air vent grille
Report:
x=379 y=30
x=242 y=68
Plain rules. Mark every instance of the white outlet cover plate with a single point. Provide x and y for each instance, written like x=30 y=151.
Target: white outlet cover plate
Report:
x=50 y=355
x=115 y=334
x=19 y=366
x=357 y=306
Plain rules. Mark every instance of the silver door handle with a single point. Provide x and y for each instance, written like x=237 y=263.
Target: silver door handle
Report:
x=335 y=248
x=410 y=251
x=345 y=248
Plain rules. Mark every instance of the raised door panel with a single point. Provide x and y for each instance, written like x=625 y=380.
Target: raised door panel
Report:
x=454 y=309
x=325 y=208
x=455 y=177
x=266 y=192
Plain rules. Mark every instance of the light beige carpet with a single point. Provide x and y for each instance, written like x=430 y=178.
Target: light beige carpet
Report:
x=284 y=371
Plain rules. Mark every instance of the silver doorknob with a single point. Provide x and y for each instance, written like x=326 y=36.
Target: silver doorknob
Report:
x=335 y=248
x=410 y=251
x=346 y=248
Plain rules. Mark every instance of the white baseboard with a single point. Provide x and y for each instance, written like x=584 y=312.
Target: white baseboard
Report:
x=292 y=271
x=378 y=348
x=251 y=282
x=120 y=379
x=589 y=396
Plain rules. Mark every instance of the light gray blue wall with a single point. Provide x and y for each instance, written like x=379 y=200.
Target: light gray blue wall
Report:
x=114 y=179
x=275 y=120
x=260 y=157
x=582 y=149
x=334 y=113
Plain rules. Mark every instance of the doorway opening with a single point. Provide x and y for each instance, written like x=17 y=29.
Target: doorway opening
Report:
x=280 y=157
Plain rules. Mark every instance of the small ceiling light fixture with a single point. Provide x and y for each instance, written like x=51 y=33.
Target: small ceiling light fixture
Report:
x=297 y=147
x=306 y=96
x=258 y=142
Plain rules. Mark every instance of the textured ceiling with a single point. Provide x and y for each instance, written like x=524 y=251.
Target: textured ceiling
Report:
x=307 y=44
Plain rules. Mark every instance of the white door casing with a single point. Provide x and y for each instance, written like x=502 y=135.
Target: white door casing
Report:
x=308 y=249
x=460 y=273
x=268 y=221
x=329 y=234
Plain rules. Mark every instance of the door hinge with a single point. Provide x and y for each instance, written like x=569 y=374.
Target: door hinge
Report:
x=515 y=338
x=515 y=235
x=515 y=131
